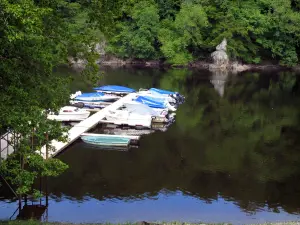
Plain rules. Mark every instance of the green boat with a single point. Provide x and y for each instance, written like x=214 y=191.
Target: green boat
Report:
x=106 y=140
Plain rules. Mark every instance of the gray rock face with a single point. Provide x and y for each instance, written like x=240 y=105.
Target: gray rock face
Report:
x=220 y=57
x=222 y=46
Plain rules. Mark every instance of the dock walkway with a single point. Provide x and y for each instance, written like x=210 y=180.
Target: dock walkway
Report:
x=85 y=125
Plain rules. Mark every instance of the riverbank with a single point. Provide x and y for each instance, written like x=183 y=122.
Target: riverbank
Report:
x=232 y=66
x=32 y=222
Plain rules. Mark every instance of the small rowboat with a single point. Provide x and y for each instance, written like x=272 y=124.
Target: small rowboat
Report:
x=106 y=140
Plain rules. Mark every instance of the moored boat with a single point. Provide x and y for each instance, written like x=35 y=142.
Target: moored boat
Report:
x=106 y=140
x=93 y=97
x=69 y=113
x=158 y=116
x=151 y=102
x=179 y=98
x=114 y=89
x=122 y=117
x=157 y=96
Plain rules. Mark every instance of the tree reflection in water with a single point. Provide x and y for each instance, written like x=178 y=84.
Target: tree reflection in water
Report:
x=243 y=146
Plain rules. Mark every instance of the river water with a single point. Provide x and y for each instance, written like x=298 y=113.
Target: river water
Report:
x=233 y=155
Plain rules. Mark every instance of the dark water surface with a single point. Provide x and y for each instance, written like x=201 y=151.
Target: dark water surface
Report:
x=233 y=155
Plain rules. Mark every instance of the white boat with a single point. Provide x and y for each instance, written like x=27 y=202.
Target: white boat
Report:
x=123 y=117
x=179 y=98
x=69 y=113
x=159 y=115
x=93 y=97
x=115 y=89
x=156 y=104
x=157 y=96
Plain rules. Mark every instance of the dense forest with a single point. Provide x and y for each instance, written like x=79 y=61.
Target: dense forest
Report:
x=181 y=31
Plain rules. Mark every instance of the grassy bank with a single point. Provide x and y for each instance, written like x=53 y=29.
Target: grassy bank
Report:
x=31 y=222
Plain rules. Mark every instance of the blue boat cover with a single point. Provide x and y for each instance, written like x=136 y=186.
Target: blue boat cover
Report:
x=150 y=102
x=163 y=92
x=115 y=88
x=160 y=100
x=92 y=94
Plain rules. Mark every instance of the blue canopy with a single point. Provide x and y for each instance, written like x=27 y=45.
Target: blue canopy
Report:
x=155 y=99
x=92 y=94
x=163 y=92
x=151 y=103
x=115 y=88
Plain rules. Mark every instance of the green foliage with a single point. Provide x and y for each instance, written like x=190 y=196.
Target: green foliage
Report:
x=136 y=36
x=36 y=36
x=256 y=31
x=186 y=31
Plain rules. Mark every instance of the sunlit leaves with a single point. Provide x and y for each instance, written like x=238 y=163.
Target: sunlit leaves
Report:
x=37 y=36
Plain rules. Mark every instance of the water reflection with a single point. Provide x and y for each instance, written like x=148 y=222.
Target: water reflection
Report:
x=218 y=79
x=238 y=152
x=239 y=146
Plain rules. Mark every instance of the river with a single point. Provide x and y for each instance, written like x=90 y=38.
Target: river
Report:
x=233 y=155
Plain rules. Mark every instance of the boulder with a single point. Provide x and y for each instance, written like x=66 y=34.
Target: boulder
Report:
x=220 y=57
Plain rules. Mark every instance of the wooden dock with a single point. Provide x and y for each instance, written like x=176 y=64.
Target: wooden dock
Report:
x=84 y=126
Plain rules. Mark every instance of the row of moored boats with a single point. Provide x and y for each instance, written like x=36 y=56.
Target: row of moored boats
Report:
x=146 y=108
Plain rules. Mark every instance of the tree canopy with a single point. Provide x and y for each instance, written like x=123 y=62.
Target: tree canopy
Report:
x=35 y=37
x=185 y=30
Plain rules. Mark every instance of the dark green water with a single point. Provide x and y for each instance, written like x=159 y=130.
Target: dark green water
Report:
x=233 y=155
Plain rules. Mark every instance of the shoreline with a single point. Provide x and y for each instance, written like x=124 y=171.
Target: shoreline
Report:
x=232 y=66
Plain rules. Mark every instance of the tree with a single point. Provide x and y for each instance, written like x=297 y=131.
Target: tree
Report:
x=136 y=36
x=191 y=29
x=185 y=33
x=36 y=36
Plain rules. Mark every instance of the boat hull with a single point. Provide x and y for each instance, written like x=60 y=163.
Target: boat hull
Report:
x=106 y=141
x=121 y=117
x=69 y=113
x=77 y=117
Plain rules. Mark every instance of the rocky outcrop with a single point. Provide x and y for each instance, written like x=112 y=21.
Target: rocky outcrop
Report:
x=79 y=62
x=221 y=60
x=236 y=67
x=220 y=57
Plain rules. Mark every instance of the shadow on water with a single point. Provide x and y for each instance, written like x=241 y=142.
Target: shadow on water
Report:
x=235 y=138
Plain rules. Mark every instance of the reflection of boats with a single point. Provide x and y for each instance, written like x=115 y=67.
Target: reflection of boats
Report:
x=122 y=117
x=69 y=113
x=114 y=89
x=106 y=140
x=155 y=103
x=160 y=127
x=134 y=132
